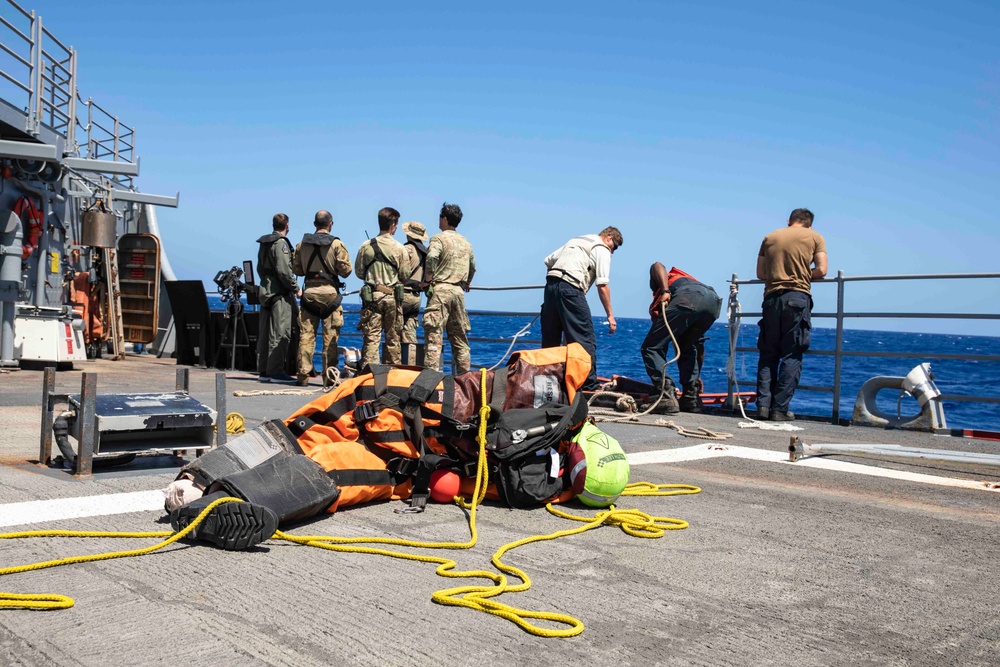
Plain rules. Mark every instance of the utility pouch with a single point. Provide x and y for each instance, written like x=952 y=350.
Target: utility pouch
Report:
x=367 y=296
x=398 y=292
x=430 y=291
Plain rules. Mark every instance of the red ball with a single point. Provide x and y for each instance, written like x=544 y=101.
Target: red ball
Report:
x=445 y=485
x=576 y=465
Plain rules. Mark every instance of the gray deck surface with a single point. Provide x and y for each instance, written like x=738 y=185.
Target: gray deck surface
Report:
x=782 y=564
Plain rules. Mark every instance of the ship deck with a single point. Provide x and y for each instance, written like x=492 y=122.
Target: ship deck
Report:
x=828 y=561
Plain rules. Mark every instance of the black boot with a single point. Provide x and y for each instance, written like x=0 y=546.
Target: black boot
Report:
x=690 y=400
x=668 y=400
x=232 y=526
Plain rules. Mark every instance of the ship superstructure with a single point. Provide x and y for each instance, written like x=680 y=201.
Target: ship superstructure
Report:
x=80 y=261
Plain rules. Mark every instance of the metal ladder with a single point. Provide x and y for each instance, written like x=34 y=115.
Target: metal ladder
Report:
x=116 y=328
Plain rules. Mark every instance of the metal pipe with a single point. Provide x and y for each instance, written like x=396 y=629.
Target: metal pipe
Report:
x=798 y=450
x=908 y=276
x=10 y=278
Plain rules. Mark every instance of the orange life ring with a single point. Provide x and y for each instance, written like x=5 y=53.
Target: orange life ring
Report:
x=34 y=223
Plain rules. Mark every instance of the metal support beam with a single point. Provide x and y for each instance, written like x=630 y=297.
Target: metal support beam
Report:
x=88 y=429
x=142 y=198
x=183 y=380
x=221 y=420
x=48 y=388
x=26 y=150
x=102 y=166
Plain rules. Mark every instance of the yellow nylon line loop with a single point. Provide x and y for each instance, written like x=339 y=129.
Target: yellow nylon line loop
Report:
x=53 y=601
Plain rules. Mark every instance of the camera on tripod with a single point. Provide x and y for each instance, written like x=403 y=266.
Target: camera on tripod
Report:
x=230 y=285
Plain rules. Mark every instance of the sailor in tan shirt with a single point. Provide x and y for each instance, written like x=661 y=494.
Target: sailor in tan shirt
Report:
x=789 y=260
x=380 y=264
x=449 y=271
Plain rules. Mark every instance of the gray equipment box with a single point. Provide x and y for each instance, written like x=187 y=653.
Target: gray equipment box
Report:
x=134 y=423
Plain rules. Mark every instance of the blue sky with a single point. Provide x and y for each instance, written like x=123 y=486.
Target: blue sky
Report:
x=695 y=128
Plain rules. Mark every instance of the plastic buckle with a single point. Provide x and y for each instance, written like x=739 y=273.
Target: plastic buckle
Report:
x=365 y=412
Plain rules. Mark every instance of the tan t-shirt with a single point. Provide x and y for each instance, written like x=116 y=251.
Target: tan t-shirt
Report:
x=788 y=255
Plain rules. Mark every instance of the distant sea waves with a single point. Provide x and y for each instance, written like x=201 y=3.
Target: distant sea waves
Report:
x=618 y=354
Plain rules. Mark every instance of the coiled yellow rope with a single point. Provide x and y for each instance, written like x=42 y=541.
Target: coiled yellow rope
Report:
x=54 y=601
x=235 y=423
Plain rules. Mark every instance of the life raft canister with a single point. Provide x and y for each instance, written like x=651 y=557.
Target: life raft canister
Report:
x=33 y=224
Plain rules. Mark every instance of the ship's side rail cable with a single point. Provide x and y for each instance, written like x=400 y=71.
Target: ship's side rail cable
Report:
x=477 y=597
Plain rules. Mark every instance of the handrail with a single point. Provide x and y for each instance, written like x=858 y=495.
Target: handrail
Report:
x=50 y=81
x=840 y=280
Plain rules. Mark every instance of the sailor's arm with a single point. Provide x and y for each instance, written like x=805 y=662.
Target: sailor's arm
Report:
x=472 y=270
x=819 y=268
x=341 y=260
x=432 y=260
x=297 y=267
x=361 y=260
x=283 y=268
x=761 y=275
x=604 y=292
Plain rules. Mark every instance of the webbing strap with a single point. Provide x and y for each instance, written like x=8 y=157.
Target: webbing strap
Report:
x=361 y=477
x=498 y=392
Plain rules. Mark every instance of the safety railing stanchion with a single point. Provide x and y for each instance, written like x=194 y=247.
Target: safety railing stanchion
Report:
x=733 y=338
x=838 y=356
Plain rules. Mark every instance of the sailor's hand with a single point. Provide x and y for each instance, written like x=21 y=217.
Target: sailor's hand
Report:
x=612 y=324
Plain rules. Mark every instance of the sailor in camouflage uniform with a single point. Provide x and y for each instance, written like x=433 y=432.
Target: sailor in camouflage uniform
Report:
x=323 y=259
x=380 y=264
x=416 y=254
x=449 y=271
x=277 y=299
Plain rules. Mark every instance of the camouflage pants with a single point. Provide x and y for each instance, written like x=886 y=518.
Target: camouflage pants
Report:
x=445 y=311
x=383 y=315
x=411 y=317
x=318 y=298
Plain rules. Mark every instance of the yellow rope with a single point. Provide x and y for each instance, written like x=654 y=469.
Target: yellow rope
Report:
x=478 y=597
x=54 y=601
x=235 y=423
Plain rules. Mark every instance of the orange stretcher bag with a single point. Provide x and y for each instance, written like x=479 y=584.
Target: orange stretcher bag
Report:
x=380 y=435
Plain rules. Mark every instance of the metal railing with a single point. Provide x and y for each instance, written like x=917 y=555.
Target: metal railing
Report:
x=840 y=280
x=44 y=69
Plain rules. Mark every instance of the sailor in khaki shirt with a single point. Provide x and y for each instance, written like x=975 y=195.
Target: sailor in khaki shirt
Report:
x=448 y=274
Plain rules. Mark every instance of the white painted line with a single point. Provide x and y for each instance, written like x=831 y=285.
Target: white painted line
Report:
x=60 y=509
x=716 y=450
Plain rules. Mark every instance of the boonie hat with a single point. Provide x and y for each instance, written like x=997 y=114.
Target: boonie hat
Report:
x=415 y=230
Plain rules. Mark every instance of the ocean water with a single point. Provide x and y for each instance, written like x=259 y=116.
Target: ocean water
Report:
x=618 y=354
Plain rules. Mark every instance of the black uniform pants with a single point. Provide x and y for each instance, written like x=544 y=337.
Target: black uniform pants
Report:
x=691 y=312
x=783 y=339
x=566 y=313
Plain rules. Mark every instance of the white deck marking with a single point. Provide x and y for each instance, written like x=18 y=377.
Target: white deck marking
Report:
x=716 y=450
x=59 y=509
x=62 y=509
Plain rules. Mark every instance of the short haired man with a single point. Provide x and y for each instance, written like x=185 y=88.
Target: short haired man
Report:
x=277 y=293
x=789 y=260
x=449 y=269
x=690 y=308
x=379 y=263
x=581 y=262
x=323 y=259
x=416 y=256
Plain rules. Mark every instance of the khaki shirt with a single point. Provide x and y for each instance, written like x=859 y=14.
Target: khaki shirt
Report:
x=450 y=259
x=335 y=255
x=412 y=271
x=378 y=272
x=788 y=255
